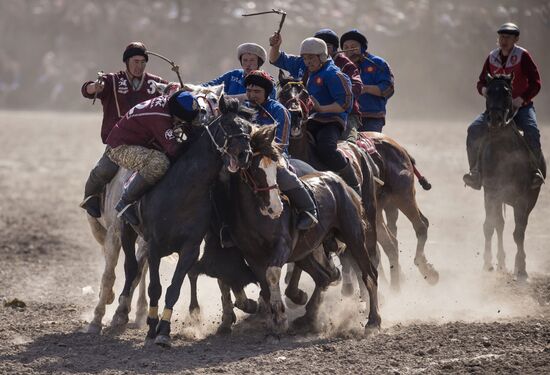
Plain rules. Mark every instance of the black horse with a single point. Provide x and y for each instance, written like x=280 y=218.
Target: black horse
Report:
x=176 y=213
x=506 y=165
x=263 y=229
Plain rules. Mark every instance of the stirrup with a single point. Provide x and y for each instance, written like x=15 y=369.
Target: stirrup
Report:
x=93 y=211
x=126 y=214
x=225 y=238
x=473 y=181
x=308 y=222
x=538 y=180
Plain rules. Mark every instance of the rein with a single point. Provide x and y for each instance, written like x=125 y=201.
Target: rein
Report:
x=249 y=180
x=223 y=149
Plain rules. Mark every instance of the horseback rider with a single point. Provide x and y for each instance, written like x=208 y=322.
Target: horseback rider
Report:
x=251 y=57
x=258 y=86
x=145 y=140
x=377 y=77
x=121 y=91
x=330 y=91
x=509 y=58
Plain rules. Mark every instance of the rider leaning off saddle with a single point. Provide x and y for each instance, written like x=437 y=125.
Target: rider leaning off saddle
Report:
x=330 y=90
x=143 y=141
x=121 y=91
x=251 y=56
x=509 y=58
x=270 y=112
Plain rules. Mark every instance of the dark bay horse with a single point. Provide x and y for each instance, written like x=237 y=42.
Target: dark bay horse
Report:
x=263 y=229
x=176 y=212
x=505 y=164
x=396 y=170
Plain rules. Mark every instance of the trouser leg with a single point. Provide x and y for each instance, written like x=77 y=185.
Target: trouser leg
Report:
x=103 y=172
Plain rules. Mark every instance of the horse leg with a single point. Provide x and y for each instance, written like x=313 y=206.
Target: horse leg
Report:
x=390 y=247
x=194 y=308
x=347 y=269
x=141 y=304
x=154 y=290
x=420 y=224
x=185 y=262
x=392 y=213
x=243 y=303
x=491 y=206
x=111 y=250
x=277 y=320
x=132 y=278
x=292 y=291
x=289 y=270
x=499 y=226
x=228 y=316
x=521 y=216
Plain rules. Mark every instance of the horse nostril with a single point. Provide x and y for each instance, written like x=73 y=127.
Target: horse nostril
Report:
x=270 y=210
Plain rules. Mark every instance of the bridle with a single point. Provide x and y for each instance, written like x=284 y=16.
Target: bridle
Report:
x=227 y=137
x=303 y=105
x=507 y=119
x=249 y=180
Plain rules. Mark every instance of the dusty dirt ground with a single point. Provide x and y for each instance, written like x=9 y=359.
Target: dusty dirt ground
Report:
x=470 y=322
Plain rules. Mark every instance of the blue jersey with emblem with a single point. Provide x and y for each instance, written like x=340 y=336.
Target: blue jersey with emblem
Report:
x=233 y=83
x=375 y=71
x=273 y=112
x=293 y=64
x=329 y=85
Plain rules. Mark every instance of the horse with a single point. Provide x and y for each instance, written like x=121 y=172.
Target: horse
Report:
x=107 y=231
x=263 y=229
x=175 y=214
x=395 y=192
x=505 y=163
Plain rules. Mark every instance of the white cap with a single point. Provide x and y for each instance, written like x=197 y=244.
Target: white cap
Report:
x=254 y=49
x=314 y=46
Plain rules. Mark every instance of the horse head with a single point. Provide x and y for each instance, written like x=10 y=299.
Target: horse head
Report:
x=233 y=141
x=499 y=100
x=294 y=96
x=261 y=174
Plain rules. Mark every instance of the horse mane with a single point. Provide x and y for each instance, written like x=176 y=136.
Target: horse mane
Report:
x=261 y=141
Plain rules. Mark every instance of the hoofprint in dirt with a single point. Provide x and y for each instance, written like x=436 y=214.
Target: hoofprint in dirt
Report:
x=469 y=322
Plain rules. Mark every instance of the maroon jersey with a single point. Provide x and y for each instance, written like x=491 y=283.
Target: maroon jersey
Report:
x=148 y=124
x=526 y=81
x=119 y=96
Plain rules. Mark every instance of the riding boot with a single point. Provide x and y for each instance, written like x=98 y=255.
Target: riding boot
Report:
x=473 y=178
x=100 y=176
x=131 y=194
x=348 y=175
x=539 y=174
x=226 y=241
x=302 y=202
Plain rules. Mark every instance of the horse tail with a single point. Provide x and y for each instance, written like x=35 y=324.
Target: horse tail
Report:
x=422 y=180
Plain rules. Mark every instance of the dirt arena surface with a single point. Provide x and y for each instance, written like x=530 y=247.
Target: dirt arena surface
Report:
x=471 y=322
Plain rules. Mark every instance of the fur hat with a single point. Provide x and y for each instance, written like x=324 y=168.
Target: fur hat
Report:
x=509 y=28
x=254 y=49
x=354 y=34
x=135 y=49
x=314 y=46
x=183 y=105
x=328 y=36
x=260 y=78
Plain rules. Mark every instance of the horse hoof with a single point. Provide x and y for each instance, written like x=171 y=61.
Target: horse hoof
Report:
x=347 y=289
x=93 y=329
x=149 y=342
x=521 y=278
x=163 y=341
x=195 y=315
x=298 y=298
x=372 y=330
x=249 y=306
x=488 y=268
x=272 y=338
x=432 y=277
x=223 y=331
x=304 y=324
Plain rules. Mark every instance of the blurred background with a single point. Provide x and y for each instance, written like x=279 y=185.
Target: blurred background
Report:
x=436 y=48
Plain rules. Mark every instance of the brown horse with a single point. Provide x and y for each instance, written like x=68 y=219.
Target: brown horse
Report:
x=263 y=229
x=397 y=170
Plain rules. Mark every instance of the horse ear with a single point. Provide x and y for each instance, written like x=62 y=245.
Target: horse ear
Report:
x=270 y=133
x=282 y=75
x=222 y=105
